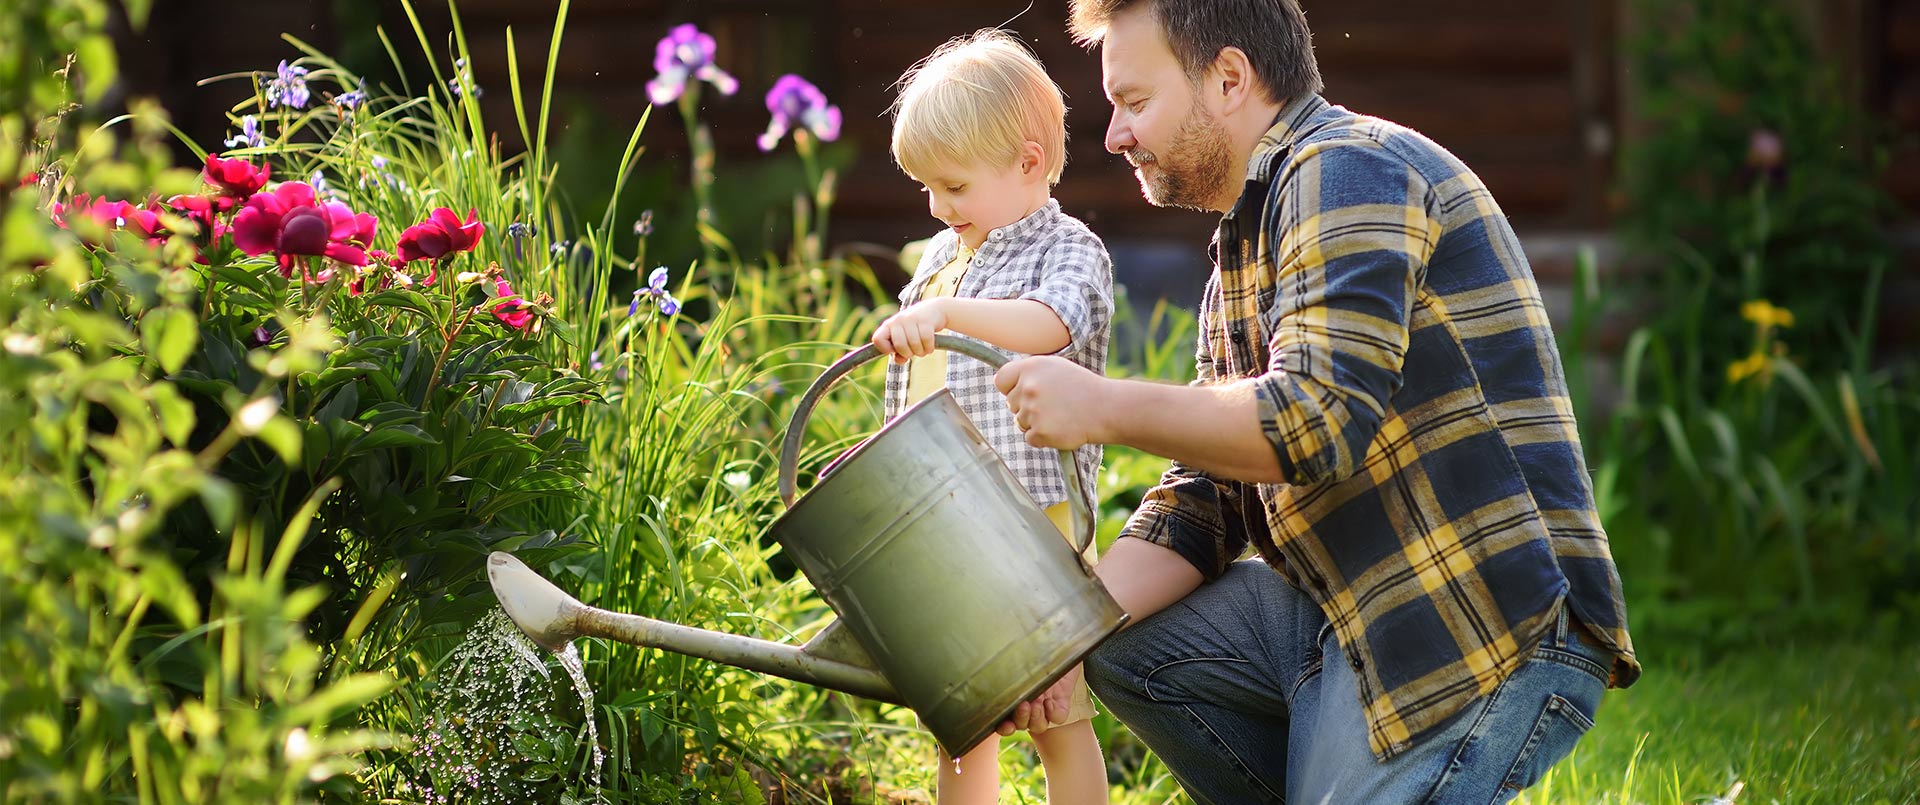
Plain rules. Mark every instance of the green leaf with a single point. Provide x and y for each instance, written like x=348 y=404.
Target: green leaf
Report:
x=520 y=412
x=390 y=413
x=174 y=411
x=393 y=436
x=340 y=697
x=244 y=278
x=409 y=300
x=97 y=65
x=283 y=436
x=221 y=501
x=170 y=334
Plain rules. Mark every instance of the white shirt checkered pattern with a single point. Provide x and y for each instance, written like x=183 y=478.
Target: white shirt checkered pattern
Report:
x=1049 y=257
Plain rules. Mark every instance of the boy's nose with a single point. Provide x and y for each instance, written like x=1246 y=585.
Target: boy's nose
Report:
x=1119 y=134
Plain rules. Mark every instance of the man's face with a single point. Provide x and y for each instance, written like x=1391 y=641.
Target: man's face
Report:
x=1177 y=148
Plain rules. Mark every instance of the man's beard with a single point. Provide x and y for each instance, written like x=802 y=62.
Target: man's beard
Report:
x=1194 y=170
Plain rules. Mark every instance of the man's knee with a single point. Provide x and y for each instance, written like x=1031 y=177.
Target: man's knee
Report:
x=1107 y=672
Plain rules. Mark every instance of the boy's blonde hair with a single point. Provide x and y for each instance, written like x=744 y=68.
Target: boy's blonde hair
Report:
x=974 y=101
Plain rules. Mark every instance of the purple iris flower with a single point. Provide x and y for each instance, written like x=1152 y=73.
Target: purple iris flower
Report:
x=462 y=84
x=794 y=103
x=657 y=290
x=686 y=53
x=289 y=87
x=250 y=136
x=350 y=101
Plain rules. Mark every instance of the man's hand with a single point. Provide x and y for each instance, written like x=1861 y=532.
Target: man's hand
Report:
x=1057 y=402
x=1048 y=709
x=909 y=334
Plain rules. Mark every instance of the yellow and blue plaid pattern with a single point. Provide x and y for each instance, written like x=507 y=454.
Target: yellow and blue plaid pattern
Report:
x=1437 y=504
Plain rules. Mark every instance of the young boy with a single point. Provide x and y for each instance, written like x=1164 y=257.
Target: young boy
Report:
x=982 y=128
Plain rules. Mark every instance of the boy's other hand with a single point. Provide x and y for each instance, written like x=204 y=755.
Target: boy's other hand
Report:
x=1048 y=709
x=909 y=334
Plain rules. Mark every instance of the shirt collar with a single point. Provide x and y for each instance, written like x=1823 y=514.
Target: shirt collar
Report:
x=1035 y=223
x=1288 y=127
x=1292 y=123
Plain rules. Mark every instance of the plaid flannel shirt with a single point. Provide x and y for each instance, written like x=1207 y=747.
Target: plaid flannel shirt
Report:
x=1052 y=258
x=1436 y=504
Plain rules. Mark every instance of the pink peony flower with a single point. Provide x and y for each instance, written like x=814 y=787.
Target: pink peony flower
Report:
x=512 y=310
x=237 y=179
x=203 y=211
x=143 y=222
x=443 y=233
x=290 y=222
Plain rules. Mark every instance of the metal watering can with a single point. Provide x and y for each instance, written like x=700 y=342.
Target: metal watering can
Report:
x=956 y=595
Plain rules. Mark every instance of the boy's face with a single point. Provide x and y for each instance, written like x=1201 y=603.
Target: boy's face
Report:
x=977 y=199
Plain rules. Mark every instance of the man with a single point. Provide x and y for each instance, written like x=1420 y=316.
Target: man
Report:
x=1381 y=413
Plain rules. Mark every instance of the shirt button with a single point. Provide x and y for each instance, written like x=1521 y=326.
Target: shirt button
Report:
x=1354 y=660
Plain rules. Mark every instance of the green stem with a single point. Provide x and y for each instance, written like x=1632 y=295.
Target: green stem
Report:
x=701 y=161
x=213 y=281
x=804 y=143
x=433 y=380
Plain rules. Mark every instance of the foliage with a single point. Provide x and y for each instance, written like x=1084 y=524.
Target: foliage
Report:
x=1752 y=176
x=1756 y=427
x=125 y=681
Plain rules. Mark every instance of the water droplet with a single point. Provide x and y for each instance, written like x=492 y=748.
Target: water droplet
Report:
x=493 y=712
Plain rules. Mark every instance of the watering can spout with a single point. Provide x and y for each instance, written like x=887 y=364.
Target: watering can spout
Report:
x=553 y=619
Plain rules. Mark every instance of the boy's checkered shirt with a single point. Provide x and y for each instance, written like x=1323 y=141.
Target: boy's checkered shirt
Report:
x=1437 y=505
x=1052 y=258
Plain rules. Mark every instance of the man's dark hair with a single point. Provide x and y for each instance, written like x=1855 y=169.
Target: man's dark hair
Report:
x=1273 y=34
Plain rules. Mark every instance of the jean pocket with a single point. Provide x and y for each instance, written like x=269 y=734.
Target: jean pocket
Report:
x=1555 y=731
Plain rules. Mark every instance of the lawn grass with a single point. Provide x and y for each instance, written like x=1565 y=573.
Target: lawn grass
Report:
x=1825 y=724
x=1802 y=724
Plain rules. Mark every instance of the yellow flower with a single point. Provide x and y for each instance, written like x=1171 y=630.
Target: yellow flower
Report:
x=1744 y=368
x=1763 y=313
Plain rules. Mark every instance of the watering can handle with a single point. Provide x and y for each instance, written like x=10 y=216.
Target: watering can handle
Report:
x=970 y=347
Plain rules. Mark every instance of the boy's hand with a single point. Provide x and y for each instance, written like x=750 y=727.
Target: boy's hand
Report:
x=1046 y=710
x=909 y=333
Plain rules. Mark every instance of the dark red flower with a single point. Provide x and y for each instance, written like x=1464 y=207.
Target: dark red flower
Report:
x=443 y=233
x=290 y=222
x=237 y=179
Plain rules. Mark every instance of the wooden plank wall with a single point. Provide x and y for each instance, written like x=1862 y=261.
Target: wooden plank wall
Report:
x=1528 y=92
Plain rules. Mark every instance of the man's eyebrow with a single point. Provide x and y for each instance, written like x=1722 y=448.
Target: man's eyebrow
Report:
x=1122 y=90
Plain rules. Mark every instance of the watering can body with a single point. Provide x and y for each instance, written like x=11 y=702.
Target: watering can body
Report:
x=959 y=594
x=956 y=584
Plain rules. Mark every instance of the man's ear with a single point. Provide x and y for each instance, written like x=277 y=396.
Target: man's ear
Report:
x=1230 y=81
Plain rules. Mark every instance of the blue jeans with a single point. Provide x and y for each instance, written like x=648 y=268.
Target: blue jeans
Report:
x=1243 y=692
